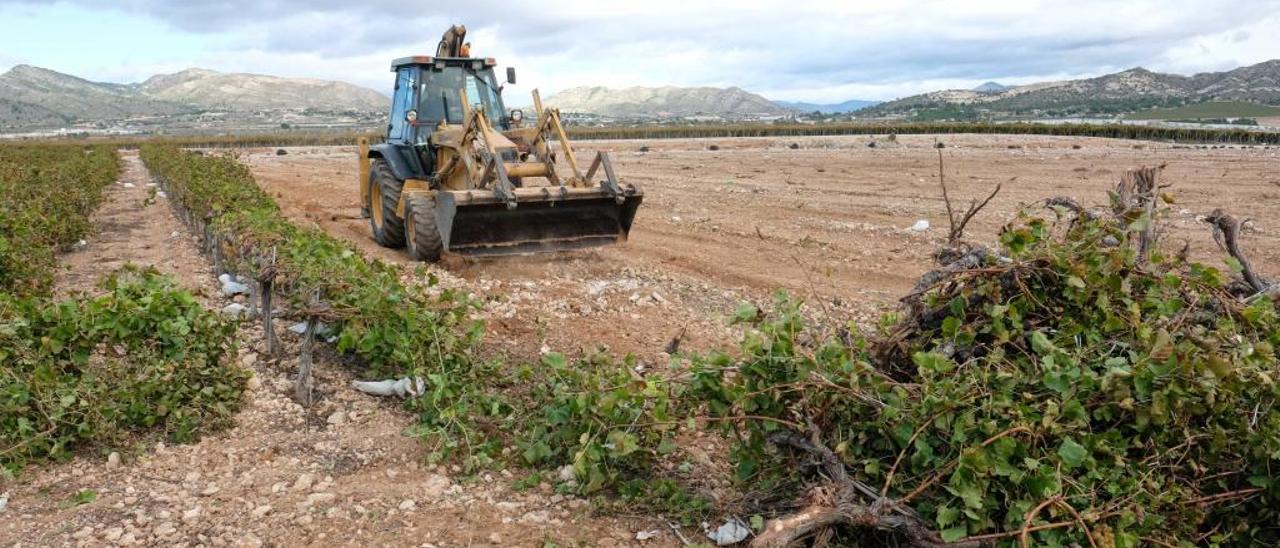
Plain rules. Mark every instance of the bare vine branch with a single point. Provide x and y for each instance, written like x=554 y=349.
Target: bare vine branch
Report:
x=1226 y=231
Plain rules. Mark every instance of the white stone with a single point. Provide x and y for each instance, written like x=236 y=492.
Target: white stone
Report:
x=261 y=511
x=113 y=460
x=537 y=516
x=408 y=504
x=566 y=473
x=319 y=498
x=304 y=482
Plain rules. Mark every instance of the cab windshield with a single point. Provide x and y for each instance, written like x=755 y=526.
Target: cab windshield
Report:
x=441 y=95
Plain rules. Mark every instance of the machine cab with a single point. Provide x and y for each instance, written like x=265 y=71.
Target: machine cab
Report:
x=429 y=91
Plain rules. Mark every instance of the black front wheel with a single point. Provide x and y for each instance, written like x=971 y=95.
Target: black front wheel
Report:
x=421 y=233
x=384 y=195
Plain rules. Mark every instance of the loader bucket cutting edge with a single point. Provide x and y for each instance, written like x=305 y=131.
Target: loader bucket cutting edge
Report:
x=479 y=224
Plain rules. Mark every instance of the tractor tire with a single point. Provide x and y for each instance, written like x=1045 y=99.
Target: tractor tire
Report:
x=421 y=234
x=384 y=195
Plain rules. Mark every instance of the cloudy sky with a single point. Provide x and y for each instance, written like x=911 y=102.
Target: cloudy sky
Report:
x=810 y=50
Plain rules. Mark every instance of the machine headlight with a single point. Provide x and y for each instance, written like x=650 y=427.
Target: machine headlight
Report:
x=411 y=116
x=517 y=115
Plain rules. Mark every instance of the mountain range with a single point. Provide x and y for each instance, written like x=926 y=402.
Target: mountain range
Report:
x=664 y=102
x=33 y=97
x=828 y=108
x=1127 y=91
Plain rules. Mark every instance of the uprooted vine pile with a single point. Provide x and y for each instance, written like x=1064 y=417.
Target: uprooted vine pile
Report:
x=1077 y=386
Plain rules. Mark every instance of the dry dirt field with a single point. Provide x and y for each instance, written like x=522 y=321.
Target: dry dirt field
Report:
x=827 y=221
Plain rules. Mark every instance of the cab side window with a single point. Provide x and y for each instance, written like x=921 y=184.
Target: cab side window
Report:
x=402 y=103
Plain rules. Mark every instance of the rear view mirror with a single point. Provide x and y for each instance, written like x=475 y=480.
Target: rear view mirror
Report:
x=511 y=75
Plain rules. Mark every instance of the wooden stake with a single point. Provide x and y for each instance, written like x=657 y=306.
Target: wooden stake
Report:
x=302 y=387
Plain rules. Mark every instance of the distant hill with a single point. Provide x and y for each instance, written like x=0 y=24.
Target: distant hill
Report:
x=990 y=87
x=828 y=108
x=216 y=90
x=33 y=97
x=1123 y=92
x=664 y=102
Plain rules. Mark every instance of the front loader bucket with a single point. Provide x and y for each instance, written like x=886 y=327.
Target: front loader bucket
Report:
x=544 y=219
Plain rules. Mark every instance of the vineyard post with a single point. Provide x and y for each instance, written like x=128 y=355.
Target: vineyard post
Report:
x=266 y=279
x=302 y=388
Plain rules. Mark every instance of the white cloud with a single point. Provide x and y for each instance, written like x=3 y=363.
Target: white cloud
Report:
x=816 y=50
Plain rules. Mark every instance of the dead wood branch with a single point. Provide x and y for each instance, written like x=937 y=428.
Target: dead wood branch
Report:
x=1065 y=203
x=958 y=223
x=942 y=180
x=974 y=207
x=842 y=501
x=266 y=284
x=1134 y=199
x=303 y=387
x=1226 y=231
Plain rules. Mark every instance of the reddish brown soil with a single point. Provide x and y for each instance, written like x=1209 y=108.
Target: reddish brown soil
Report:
x=827 y=221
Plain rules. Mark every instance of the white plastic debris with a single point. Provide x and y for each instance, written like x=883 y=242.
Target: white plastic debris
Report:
x=161 y=194
x=129 y=185
x=392 y=387
x=4 y=500
x=920 y=226
x=646 y=535
x=732 y=532
x=232 y=287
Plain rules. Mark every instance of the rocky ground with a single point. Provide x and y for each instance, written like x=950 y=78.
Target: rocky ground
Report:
x=342 y=472
x=829 y=219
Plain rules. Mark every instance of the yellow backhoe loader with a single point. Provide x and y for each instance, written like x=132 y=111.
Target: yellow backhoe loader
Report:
x=458 y=173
